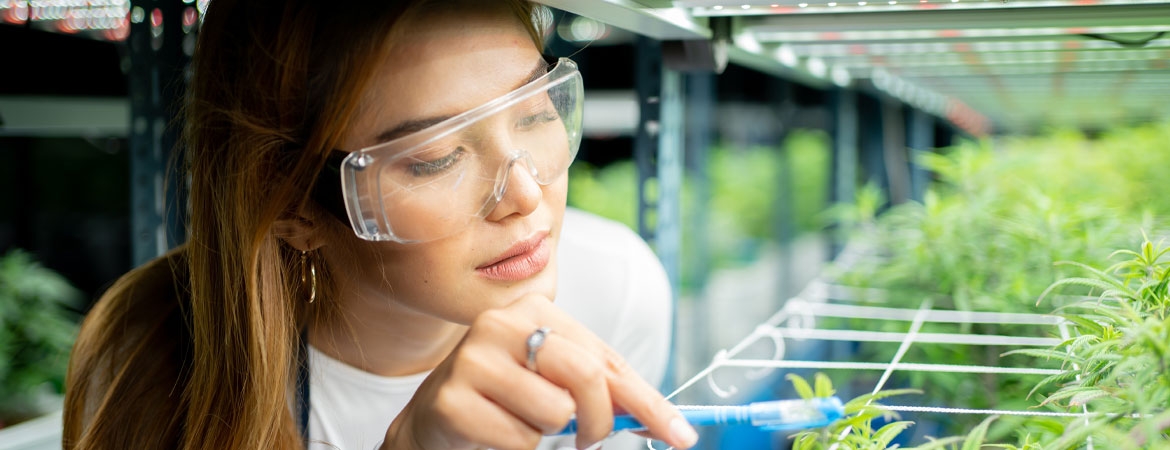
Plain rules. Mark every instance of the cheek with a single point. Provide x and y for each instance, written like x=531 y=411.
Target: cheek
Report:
x=556 y=195
x=436 y=279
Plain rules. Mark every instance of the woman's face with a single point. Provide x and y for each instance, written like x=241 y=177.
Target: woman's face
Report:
x=438 y=68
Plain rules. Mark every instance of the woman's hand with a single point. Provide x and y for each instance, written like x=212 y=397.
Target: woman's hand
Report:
x=482 y=395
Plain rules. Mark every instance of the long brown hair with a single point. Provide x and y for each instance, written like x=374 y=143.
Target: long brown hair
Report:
x=197 y=349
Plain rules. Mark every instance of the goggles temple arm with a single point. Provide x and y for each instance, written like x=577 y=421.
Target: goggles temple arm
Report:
x=327 y=188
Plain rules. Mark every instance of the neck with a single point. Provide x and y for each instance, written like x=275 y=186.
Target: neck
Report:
x=384 y=338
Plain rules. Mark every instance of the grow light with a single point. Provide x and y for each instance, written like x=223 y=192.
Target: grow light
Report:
x=925 y=48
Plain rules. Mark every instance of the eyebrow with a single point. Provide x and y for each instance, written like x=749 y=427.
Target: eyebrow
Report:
x=413 y=125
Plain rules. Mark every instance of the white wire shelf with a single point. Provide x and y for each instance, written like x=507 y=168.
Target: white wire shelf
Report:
x=803 y=318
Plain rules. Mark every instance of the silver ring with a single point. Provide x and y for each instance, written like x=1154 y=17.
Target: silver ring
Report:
x=535 y=341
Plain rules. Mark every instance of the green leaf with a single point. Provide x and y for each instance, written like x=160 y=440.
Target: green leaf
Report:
x=1069 y=393
x=1053 y=379
x=802 y=388
x=936 y=444
x=823 y=386
x=1046 y=354
x=805 y=441
x=1082 y=398
x=976 y=437
x=886 y=434
x=870 y=398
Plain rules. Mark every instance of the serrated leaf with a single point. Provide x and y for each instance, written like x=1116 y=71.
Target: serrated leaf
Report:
x=976 y=437
x=1084 y=397
x=1068 y=393
x=1046 y=354
x=869 y=398
x=886 y=434
x=1052 y=379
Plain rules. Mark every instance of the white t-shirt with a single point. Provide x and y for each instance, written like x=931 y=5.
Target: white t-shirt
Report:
x=609 y=280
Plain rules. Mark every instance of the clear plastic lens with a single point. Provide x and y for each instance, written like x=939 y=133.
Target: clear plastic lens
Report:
x=433 y=183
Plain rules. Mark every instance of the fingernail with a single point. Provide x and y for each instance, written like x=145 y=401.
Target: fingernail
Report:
x=682 y=432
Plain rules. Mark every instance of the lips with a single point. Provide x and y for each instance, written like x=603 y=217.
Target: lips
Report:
x=520 y=262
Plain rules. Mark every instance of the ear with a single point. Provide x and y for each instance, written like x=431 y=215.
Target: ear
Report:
x=300 y=230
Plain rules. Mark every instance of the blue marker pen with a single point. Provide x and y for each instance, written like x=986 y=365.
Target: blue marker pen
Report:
x=778 y=415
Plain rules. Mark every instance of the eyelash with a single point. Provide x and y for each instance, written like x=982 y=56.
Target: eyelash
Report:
x=428 y=168
x=538 y=118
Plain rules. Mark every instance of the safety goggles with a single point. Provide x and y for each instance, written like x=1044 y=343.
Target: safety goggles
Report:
x=435 y=182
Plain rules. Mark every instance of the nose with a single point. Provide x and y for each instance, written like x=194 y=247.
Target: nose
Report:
x=518 y=192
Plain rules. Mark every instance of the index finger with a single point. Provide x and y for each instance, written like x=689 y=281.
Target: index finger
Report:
x=627 y=389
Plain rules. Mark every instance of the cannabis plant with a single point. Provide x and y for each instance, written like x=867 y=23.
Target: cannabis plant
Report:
x=1117 y=367
x=854 y=431
x=987 y=232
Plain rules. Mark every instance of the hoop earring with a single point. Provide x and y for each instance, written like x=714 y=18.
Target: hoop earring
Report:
x=309 y=275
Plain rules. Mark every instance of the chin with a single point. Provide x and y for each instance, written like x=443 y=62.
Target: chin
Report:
x=543 y=284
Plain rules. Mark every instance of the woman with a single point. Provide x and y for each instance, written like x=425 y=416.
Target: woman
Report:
x=377 y=218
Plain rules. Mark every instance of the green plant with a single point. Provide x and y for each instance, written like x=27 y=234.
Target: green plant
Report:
x=744 y=184
x=37 y=330
x=1118 y=364
x=986 y=234
x=855 y=430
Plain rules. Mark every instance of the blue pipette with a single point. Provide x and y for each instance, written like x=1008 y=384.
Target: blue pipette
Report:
x=776 y=415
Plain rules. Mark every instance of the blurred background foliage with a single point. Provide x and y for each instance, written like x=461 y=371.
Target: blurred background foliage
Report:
x=998 y=216
x=745 y=184
x=37 y=328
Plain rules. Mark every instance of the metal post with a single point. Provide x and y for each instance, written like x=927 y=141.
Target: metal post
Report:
x=648 y=85
x=700 y=103
x=157 y=63
x=780 y=102
x=843 y=184
x=668 y=234
x=658 y=155
x=845 y=151
x=872 y=145
x=700 y=107
x=894 y=155
x=920 y=138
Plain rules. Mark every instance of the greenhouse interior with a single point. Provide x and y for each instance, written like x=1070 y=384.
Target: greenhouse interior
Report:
x=948 y=214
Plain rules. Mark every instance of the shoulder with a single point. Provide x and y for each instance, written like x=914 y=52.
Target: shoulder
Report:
x=586 y=235
x=612 y=282
x=607 y=274
x=607 y=254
